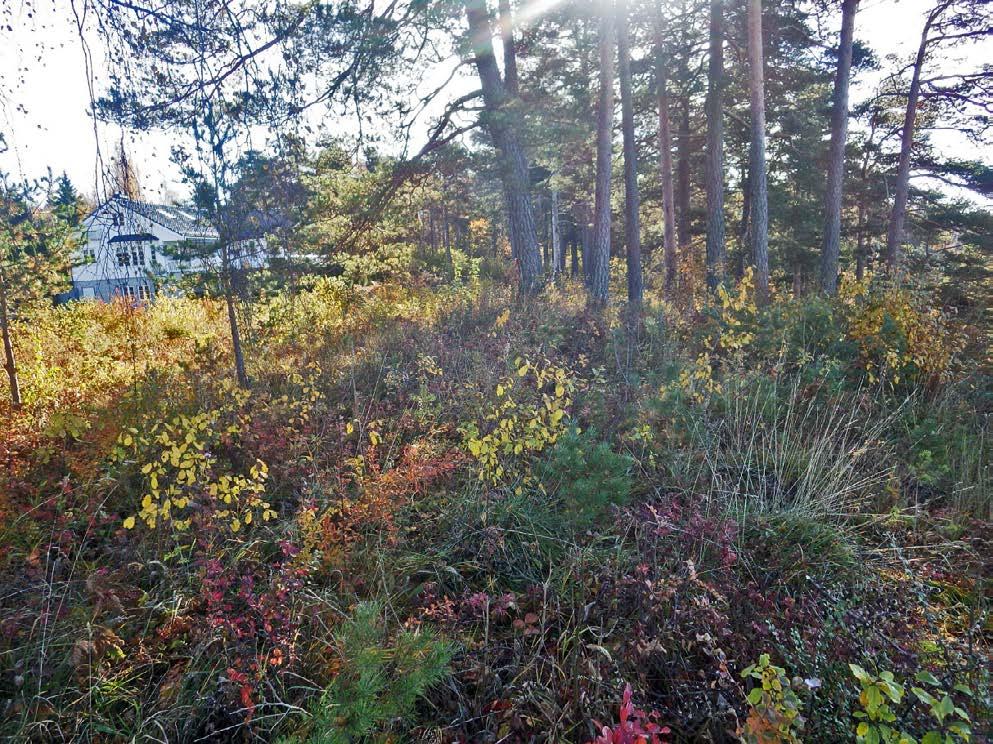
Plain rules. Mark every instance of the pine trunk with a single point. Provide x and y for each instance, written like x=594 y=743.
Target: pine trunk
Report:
x=600 y=250
x=831 y=250
x=758 y=186
x=229 y=290
x=503 y=125
x=898 y=215
x=714 y=176
x=509 y=48
x=556 y=236
x=665 y=169
x=632 y=199
x=9 y=364
x=683 y=150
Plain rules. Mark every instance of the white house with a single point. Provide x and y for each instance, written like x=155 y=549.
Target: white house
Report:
x=131 y=248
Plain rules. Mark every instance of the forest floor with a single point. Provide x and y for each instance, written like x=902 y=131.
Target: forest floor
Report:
x=439 y=514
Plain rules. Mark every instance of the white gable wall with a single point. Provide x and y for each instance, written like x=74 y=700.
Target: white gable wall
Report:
x=98 y=259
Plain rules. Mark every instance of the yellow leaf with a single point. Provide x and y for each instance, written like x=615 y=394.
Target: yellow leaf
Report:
x=129 y=523
x=235 y=524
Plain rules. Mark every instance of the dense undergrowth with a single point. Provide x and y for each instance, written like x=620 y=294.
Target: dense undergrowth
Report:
x=441 y=515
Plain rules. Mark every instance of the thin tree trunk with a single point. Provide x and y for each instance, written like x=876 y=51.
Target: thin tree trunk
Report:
x=898 y=215
x=665 y=168
x=632 y=199
x=509 y=49
x=831 y=250
x=744 y=223
x=9 y=364
x=503 y=125
x=715 y=148
x=758 y=187
x=239 y=356
x=448 y=242
x=586 y=243
x=556 y=236
x=683 y=150
x=860 y=249
x=600 y=250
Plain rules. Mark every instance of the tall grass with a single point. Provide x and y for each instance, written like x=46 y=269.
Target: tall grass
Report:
x=776 y=449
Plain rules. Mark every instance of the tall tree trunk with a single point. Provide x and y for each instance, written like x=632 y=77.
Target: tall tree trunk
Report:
x=448 y=243
x=744 y=224
x=715 y=148
x=632 y=199
x=503 y=125
x=556 y=236
x=9 y=364
x=600 y=250
x=586 y=241
x=509 y=49
x=229 y=290
x=665 y=166
x=831 y=250
x=898 y=215
x=433 y=231
x=860 y=247
x=683 y=150
x=758 y=186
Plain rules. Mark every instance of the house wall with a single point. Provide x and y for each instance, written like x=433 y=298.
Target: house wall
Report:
x=99 y=273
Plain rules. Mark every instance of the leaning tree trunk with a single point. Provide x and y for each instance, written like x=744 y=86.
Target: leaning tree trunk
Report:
x=894 y=235
x=632 y=200
x=503 y=124
x=9 y=364
x=714 y=176
x=665 y=169
x=758 y=186
x=600 y=250
x=831 y=249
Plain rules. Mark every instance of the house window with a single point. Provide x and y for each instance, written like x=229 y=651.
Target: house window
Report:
x=144 y=294
x=130 y=254
x=89 y=253
x=117 y=220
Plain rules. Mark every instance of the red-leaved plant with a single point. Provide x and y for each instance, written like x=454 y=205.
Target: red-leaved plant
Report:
x=635 y=726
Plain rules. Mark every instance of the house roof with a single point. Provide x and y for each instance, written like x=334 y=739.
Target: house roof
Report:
x=182 y=220
x=133 y=238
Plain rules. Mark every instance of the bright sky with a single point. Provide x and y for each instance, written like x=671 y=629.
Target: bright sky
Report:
x=44 y=96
